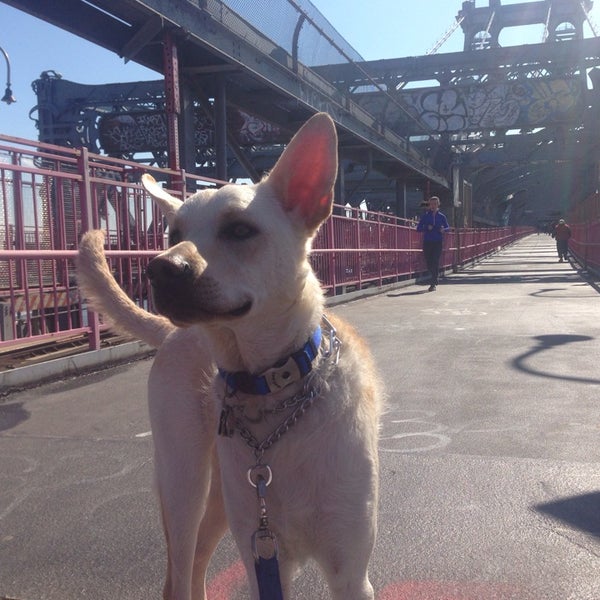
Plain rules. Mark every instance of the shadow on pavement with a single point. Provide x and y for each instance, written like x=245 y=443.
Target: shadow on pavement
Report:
x=11 y=415
x=548 y=342
x=414 y=293
x=582 y=512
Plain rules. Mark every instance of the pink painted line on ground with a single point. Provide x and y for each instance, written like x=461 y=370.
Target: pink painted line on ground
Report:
x=227 y=583
x=230 y=582
x=453 y=590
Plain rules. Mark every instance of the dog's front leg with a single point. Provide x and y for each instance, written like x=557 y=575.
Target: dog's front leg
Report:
x=347 y=520
x=345 y=583
x=183 y=427
x=211 y=529
x=345 y=565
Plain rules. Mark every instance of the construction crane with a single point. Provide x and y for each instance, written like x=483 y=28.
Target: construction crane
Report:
x=438 y=44
x=446 y=35
x=589 y=19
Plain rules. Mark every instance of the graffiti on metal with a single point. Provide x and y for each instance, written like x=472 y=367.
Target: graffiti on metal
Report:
x=531 y=103
x=146 y=131
x=133 y=132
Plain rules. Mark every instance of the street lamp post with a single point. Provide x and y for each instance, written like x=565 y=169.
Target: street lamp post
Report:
x=8 y=95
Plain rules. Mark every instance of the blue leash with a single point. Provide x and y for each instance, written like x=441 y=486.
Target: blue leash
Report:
x=264 y=542
x=267 y=576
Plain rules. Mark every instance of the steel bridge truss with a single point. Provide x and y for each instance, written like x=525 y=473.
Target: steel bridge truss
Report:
x=505 y=123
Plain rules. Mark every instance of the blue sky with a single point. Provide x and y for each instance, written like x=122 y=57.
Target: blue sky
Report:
x=376 y=29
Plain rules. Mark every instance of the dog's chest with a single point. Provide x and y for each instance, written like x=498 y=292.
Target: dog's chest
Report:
x=291 y=497
x=283 y=434
x=263 y=424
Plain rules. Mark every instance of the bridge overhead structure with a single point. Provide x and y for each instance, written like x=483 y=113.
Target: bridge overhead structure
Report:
x=517 y=126
x=503 y=135
x=217 y=61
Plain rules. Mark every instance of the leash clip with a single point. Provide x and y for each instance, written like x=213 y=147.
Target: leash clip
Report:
x=264 y=545
x=264 y=542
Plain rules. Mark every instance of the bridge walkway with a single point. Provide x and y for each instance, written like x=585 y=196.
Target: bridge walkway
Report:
x=490 y=453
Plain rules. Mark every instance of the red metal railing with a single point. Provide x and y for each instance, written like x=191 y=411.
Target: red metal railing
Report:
x=585 y=227
x=49 y=195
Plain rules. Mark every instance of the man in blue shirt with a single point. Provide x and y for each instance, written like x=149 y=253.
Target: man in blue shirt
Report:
x=433 y=224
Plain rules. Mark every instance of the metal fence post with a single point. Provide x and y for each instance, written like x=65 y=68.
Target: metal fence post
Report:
x=588 y=222
x=87 y=223
x=380 y=253
x=331 y=254
x=20 y=271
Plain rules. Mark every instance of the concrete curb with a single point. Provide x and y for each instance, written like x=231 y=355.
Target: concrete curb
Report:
x=76 y=364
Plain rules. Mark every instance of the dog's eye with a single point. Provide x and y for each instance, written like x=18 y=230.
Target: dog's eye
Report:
x=174 y=237
x=238 y=231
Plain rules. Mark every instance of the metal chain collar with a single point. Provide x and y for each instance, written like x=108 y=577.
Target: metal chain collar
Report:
x=301 y=402
x=230 y=422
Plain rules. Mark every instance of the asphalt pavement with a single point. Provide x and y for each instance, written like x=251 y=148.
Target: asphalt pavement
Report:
x=490 y=453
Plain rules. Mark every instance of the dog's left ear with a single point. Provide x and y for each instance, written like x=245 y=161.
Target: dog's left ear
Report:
x=305 y=173
x=169 y=205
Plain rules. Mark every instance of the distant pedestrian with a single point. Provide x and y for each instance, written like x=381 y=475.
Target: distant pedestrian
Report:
x=433 y=224
x=562 y=233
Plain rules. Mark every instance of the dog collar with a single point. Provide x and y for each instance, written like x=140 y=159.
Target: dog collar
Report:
x=285 y=372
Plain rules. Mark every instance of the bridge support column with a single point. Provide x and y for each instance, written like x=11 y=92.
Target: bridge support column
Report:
x=220 y=125
x=188 y=138
x=401 y=199
x=173 y=103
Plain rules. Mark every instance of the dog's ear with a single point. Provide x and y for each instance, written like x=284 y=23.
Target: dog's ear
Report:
x=305 y=174
x=169 y=205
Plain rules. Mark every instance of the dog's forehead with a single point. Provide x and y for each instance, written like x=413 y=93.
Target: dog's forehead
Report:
x=212 y=203
x=226 y=202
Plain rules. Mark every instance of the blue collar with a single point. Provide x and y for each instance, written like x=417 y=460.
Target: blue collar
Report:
x=286 y=371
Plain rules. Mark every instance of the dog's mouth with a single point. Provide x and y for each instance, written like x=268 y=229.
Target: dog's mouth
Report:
x=244 y=309
x=184 y=313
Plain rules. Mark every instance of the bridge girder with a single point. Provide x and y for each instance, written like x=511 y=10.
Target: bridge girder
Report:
x=388 y=132
x=218 y=48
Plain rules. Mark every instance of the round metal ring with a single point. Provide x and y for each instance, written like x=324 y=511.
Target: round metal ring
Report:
x=257 y=470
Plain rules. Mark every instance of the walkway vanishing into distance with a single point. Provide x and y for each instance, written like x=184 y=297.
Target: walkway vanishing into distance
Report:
x=490 y=453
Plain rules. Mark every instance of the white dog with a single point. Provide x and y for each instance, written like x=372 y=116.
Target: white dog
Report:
x=295 y=398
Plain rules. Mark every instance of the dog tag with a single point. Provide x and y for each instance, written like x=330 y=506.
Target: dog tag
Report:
x=226 y=427
x=279 y=377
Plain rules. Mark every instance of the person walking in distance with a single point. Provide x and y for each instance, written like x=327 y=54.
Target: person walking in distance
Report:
x=433 y=224
x=562 y=233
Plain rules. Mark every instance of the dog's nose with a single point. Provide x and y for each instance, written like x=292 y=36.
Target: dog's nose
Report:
x=168 y=269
